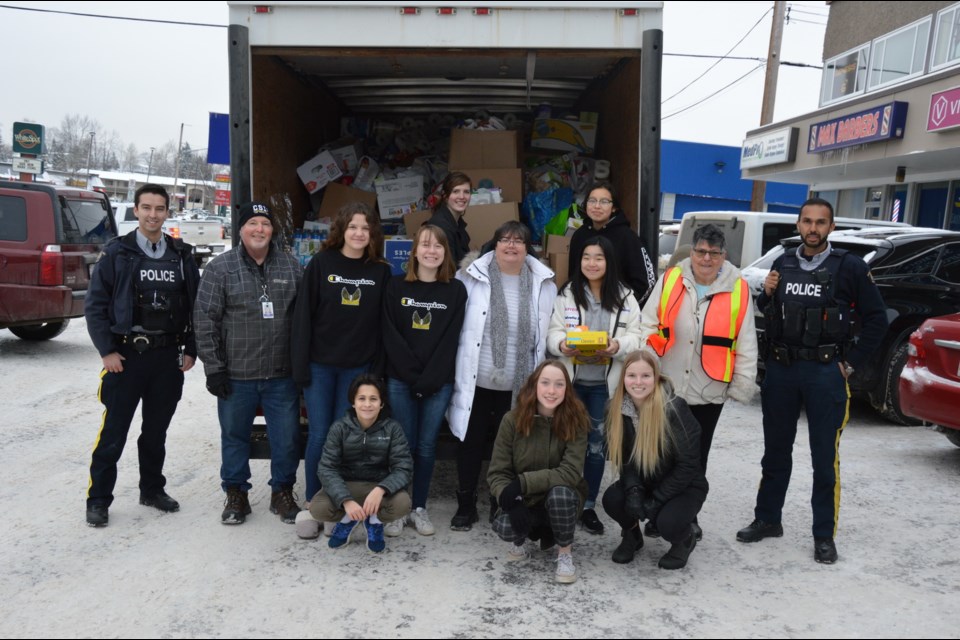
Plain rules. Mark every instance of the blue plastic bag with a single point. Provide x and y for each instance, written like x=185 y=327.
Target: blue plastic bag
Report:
x=540 y=208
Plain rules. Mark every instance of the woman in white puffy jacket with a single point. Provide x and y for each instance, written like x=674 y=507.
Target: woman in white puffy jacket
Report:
x=597 y=299
x=509 y=301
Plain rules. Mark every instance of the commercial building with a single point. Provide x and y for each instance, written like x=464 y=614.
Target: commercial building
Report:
x=885 y=142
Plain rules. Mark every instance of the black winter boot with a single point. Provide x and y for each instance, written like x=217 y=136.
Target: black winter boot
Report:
x=631 y=542
x=676 y=558
x=466 y=513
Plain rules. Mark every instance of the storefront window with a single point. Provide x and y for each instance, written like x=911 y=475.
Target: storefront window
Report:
x=844 y=75
x=946 y=48
x=931 y=204
x=900 y=55
x=955 y=209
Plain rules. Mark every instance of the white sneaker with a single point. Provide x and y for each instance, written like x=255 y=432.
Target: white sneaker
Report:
x=307 y=527
x=328 y=528
x=518 y=552
x=421 y=520
x=566 y=572
x=393 y=529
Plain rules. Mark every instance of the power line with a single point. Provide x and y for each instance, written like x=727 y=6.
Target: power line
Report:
x=749 y=31
x=106 y=17
x=819 y=24
x=714 y=56
x=809 y=13
x=715 y=93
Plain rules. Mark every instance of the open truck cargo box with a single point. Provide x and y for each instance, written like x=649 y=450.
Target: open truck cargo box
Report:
x=297 y=68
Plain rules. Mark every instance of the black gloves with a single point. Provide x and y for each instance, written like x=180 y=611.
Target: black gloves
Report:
x=219 y=384
x=520 y=519
x=511 y=495
x=651 y=507
x=633 y=506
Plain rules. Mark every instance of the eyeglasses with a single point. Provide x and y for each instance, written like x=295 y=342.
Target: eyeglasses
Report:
x=512 y=241
x=704 y=253
x=603 y=202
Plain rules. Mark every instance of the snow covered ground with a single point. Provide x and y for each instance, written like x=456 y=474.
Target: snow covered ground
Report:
x=150 y=574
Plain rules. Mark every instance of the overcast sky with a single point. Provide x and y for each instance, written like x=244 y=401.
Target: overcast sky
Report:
x=143 y=79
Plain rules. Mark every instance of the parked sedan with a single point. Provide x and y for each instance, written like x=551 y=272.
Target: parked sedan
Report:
x=930 y=382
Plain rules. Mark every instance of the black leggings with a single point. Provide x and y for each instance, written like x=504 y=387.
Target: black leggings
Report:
x=488 y=410
x=674 y=518
x=707 y=415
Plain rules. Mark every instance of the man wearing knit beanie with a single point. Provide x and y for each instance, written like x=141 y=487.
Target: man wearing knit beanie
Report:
x=243 y=317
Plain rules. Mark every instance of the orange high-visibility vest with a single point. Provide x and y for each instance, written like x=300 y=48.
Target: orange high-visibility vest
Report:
x=721 y=327
x=671 y=297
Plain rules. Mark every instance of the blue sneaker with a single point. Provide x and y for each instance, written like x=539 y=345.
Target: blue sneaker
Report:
x=341 y=534
x=374 y=536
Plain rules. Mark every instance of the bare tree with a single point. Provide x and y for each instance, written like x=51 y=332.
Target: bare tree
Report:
x=72 y=145
x=6 y=151
x=130 y=159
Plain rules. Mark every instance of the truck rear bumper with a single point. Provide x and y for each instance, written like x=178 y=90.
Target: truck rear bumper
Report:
x=25 y=304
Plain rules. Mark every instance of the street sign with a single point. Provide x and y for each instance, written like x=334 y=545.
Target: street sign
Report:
x=222 y=198
x=28 y=165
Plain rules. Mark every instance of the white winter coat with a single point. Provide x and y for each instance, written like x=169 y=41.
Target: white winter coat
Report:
x=682 y=361
x=475 y=277
x=624 y=326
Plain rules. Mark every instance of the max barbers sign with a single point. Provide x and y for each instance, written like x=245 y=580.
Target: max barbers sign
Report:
x=771 y=147
x=28 y=138
x=883 y=122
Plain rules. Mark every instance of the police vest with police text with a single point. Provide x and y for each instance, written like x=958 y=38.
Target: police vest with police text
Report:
x=806 y=311
x=721 y=326
x=160 y=294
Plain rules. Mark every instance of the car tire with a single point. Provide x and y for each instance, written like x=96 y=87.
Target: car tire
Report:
x=890 y=409
x=952 y=435
x=44 y=331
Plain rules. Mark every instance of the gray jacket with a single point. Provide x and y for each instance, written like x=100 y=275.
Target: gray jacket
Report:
x=228 y=317
x=351 y=454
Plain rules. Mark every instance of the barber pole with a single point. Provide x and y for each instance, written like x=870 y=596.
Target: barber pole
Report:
x=896 y=211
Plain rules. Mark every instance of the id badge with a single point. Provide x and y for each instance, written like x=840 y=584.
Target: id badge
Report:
x=267 y=310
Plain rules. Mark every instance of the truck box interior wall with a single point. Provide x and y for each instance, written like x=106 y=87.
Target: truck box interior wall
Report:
x=291 y=119
x=616 y=98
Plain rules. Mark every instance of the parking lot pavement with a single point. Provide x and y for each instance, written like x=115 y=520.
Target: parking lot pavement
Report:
x=185 y=574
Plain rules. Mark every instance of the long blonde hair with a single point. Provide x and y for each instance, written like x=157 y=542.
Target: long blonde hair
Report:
x=654 y=438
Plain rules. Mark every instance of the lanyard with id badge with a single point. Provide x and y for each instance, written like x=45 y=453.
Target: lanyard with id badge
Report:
x=266 y=305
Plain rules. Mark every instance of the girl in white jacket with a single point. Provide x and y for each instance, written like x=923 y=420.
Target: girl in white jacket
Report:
x=595 y=298
x=509 y=300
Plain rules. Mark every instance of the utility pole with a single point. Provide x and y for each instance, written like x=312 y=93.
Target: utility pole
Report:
x=176 y=173
x=89 y=151
x=150 y=164
x=770 y=90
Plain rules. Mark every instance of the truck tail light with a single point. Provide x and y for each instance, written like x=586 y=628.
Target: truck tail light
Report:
x=446 y=11
x=483 y=11
x=409 y=11
x=51 y=265
x=175 y=233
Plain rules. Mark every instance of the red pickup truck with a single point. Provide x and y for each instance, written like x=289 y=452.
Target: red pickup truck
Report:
x=50 y=238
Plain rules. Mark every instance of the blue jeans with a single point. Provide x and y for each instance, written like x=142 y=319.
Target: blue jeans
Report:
x=421 y=420
x=326 y=400
x=281 y=408
x=595 y=399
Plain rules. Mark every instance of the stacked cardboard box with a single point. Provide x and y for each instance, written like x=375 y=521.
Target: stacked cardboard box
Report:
x=491 y=159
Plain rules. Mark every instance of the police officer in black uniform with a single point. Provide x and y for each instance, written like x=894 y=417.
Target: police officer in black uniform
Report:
x=809 y=300
x=138 y=309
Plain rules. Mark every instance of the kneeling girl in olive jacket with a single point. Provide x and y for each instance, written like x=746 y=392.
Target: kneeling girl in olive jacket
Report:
x=536 y=469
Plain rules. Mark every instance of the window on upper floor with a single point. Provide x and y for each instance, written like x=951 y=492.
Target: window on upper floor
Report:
x=899 y=55
x=946 y=44
x=844 y=75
